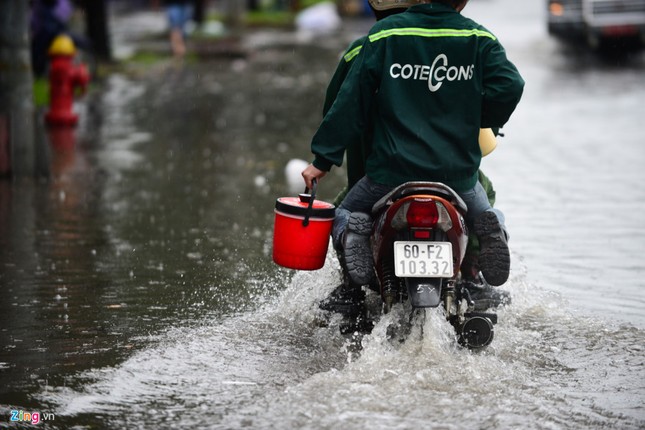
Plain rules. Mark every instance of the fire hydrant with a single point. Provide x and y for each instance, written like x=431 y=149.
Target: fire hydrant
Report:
x=64 y=78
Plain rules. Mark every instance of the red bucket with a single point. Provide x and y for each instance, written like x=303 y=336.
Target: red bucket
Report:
x=301 y=231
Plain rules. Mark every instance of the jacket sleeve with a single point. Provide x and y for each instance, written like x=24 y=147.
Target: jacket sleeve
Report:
x=345 y=121
x=502 y=85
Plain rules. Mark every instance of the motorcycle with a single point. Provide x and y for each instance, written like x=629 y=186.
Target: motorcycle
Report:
x=419 y=239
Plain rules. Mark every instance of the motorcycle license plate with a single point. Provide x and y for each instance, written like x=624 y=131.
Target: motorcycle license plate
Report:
x=423 y=259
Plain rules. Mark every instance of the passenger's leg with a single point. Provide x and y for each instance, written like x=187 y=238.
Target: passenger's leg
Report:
x=488 y=224
x=350 y=236
x=360 y=198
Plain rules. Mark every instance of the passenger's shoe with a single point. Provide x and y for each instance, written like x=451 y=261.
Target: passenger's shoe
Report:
x=486 y=297
x=349 y=301
x=494 y=255
x=356 y=245
x=345 y=300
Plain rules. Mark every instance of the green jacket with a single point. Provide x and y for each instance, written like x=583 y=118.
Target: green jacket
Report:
x=434 y=78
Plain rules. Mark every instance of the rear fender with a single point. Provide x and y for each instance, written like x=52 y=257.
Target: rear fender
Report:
x=424 y=292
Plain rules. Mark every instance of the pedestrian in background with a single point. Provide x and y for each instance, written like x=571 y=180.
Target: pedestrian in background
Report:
x=179 y=13
x=49 y=18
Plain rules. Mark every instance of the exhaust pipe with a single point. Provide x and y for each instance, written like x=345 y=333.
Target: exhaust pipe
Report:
x=476 y=332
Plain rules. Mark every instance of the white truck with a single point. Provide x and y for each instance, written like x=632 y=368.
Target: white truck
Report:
x=598 y=21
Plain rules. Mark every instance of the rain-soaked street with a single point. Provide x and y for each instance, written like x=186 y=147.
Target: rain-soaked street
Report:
x=138 y=289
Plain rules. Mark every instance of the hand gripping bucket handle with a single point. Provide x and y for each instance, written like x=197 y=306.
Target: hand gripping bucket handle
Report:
x=310 y=198
x=301 y=230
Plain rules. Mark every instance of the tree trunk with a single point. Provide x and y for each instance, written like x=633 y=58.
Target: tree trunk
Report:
x=234 y=12
x=200 y=11
x=253 y=4
x=17 y=143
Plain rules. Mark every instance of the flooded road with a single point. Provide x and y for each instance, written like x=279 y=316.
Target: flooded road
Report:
x=138 y=288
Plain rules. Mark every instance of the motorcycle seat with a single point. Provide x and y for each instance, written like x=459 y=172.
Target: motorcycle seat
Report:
x=410 y=188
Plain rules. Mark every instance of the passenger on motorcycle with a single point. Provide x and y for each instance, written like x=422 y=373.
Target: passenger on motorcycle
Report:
x=429 y=79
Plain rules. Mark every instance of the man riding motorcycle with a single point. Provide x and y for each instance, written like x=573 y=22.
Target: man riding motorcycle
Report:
x=428 y=78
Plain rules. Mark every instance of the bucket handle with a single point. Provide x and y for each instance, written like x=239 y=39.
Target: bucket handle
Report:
x=306 y=197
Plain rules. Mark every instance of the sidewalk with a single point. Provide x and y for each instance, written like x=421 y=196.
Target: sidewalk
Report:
x=146 y=31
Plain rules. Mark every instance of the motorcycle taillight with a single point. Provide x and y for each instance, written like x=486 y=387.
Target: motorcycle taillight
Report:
x=422 y=213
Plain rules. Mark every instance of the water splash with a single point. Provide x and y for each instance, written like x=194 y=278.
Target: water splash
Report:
x=276 y=365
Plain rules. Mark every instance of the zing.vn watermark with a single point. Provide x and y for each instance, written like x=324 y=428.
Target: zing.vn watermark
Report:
x=30 y=417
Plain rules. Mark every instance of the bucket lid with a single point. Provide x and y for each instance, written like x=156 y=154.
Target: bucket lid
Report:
x=295 y=206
